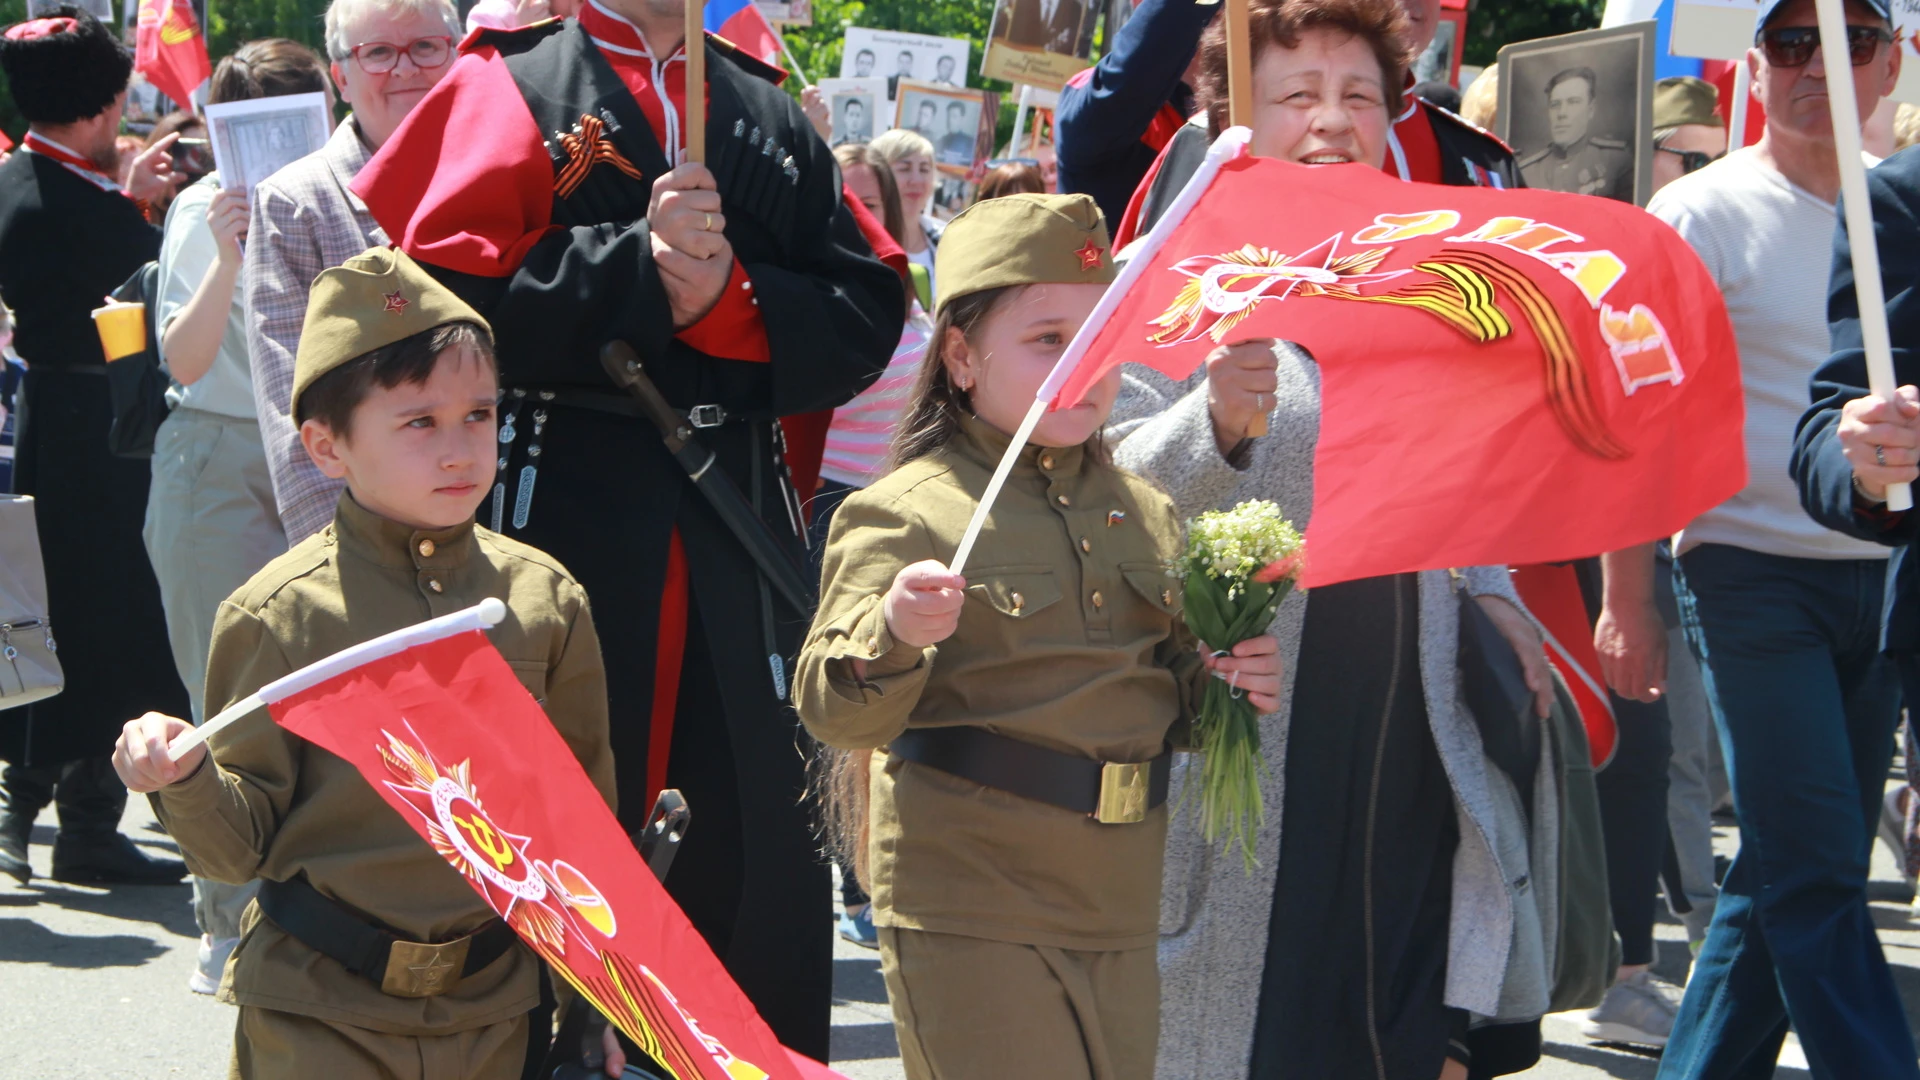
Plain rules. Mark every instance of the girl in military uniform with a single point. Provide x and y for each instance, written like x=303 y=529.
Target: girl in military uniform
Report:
x=1014 y=722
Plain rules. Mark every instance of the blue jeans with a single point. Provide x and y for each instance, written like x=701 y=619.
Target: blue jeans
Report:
x=1806 y=708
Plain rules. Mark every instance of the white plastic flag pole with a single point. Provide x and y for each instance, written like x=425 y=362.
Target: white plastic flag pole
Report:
x=1737 y=108
x=1020 y=120
x=788 y=53
x=480 y=616
x=1224 y=149
x=1872 y=301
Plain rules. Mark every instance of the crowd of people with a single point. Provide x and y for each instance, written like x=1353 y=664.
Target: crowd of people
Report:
x=388 y=400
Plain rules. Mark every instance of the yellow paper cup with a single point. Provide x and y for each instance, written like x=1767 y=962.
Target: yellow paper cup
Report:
x=122 y=329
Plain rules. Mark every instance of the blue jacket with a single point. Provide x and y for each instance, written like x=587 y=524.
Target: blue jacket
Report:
x=1824 y=476
x=1101 y=118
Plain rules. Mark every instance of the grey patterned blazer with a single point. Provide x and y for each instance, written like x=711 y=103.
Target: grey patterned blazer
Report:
x=304 y=221
x=1214 y=914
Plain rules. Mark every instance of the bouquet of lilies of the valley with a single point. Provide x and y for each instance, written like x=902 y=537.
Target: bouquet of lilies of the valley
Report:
x=1239 y=565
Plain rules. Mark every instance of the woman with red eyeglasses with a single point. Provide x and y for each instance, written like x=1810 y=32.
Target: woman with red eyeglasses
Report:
x=1785 y=613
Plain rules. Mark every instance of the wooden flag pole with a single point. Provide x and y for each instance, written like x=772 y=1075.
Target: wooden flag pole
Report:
x=1240 y=106
x=1239 y=65
x=1871 y=298
x=696 y=46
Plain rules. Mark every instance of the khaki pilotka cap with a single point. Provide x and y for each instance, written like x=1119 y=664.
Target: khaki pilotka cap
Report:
x=372 y=300
x=1683 y=99
x=1022 y=240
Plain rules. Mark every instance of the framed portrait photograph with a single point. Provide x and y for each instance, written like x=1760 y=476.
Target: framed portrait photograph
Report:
x=1578 y=111
x=959 y=123
x=1040 y=43
x=856 y=108
x=254 y=139
x=1441 y=61
x=895 y=55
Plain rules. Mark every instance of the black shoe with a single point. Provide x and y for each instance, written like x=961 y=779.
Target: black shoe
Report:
x=110 y=859
x=14 y=830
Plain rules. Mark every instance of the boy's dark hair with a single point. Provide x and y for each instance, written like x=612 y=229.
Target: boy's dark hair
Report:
x=333 y=396
x=59 y=75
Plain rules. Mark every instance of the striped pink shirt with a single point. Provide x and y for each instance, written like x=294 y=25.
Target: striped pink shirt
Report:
x=863 y=428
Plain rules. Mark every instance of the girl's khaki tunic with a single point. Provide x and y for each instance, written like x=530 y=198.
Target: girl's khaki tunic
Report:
x=1071 y=639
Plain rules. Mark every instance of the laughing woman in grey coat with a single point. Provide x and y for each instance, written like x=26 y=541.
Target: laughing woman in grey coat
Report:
x=1394 y=905
x=1400 y=924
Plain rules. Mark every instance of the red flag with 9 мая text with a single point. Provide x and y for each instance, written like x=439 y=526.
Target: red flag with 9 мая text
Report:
x=450 y=739
x=1506 y=376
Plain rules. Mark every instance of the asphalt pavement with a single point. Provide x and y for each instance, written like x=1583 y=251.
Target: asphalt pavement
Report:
x=93 y=982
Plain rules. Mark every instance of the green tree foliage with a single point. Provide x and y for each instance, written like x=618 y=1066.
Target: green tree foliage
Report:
x=1494 y=23
x=11 y=122
x=232 y=23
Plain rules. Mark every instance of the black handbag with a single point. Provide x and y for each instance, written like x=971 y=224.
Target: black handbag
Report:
x=137 y=384
x=1495 y=687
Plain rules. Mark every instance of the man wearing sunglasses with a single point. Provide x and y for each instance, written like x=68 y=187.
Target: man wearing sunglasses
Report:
x=1688 y=134
x=1784 y=612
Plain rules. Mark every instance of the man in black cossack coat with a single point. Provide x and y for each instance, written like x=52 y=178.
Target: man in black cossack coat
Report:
x=70 y=233
x=545 y=179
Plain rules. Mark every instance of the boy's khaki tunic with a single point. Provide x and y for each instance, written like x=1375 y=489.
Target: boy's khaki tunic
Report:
x=278 y=807
x=1070 y=639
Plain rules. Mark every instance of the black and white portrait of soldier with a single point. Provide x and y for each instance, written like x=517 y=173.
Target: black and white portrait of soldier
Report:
x=1577 y=110
x=853 y=120
x=956 y=144
x=1049 y=25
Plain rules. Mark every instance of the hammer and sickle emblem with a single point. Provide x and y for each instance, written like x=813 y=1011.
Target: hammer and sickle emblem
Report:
x=486 y=840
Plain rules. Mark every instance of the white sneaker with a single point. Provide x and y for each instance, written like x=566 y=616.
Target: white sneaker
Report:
x=1893 y=832
x=210 y=964
x=1636 y=1010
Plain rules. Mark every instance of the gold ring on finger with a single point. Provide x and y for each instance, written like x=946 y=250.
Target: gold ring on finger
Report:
x=709 y=225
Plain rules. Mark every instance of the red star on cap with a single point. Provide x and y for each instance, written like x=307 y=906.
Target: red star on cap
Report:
x=397 y=303
x=1090 y=255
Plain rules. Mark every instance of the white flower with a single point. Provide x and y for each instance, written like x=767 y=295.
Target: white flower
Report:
x=1239 y=543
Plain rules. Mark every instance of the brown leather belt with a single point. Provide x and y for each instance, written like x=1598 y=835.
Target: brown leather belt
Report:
x=403 y=968
x=1112 y=793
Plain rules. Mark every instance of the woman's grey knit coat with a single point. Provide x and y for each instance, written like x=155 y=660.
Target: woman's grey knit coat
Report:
x=1214 y=914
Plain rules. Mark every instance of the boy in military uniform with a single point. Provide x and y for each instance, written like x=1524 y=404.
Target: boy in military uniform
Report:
x=342 y=968
x=1576 y=160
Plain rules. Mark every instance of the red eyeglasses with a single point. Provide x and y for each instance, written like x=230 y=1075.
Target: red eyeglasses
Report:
x=1792 y=46
x=380 y=57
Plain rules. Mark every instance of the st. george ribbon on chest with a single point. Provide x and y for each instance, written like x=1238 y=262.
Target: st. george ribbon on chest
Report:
x=757 y=175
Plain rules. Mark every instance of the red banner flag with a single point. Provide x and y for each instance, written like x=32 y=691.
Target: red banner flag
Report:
x=449 y=738
x=170 y=50
x=1507 y=376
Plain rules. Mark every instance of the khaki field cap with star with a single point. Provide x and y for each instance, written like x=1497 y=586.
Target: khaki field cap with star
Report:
x=1684 y=99
x=1022 y=240
x=372 y=300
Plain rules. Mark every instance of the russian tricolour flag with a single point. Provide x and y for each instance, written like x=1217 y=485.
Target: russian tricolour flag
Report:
x=741 y=22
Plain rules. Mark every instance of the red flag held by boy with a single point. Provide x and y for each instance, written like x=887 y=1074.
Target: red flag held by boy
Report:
x=1507 y=376
x=449 y=738
x=170 y=49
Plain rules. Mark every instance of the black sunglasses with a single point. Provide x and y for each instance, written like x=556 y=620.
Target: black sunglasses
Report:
x=1792 y=46
x=1692 y=160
